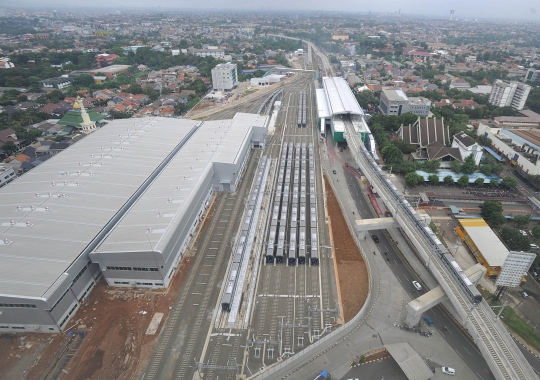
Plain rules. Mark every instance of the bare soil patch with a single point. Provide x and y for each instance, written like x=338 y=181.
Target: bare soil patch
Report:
x=116 y=319
x=351 y=268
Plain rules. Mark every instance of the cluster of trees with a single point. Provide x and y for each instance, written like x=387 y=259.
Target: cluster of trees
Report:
x=467 y=167
x=533 y=101
x=515 y=240
x=492 y=212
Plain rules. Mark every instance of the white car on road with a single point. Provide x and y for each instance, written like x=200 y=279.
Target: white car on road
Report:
x=449 y=371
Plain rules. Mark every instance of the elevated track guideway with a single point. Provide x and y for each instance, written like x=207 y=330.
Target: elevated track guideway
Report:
x=500 y=351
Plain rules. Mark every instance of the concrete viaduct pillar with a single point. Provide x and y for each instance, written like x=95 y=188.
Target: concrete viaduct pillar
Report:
x=418 y=306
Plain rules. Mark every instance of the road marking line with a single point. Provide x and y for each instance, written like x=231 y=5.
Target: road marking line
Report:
x=440 y=332
x=479 y=376
x=466 y=350
x=406 y=278
x=457 y=352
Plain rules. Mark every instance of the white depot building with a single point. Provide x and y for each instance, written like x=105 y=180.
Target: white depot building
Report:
x=513 y=94
x=224 y=77
x=122 y=203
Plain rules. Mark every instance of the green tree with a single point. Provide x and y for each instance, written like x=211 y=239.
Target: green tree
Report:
x=135 y=89
x=463 y=180
x=514 y=240
x=455 y=166
x=365 y=98
x=431 y=166
x=536 y=232
x=494 y=182
x=489 y=207
x=469 y=165
x=9 y=147
x=84 y=80
x=522 y=220
x=412 y=179
x=448 y=180
x=479 y=182
x=392 y=154
x=509 y=182
x=433 y=179
x=497 y=219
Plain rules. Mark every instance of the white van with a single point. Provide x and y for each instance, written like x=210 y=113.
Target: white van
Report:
x=534 y=246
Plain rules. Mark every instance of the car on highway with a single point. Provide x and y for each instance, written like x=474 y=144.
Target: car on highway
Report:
x=448 y=371
x=375 y=238
x=524 y=294
x=417 y=285
x=334 y=171
x=523 y=232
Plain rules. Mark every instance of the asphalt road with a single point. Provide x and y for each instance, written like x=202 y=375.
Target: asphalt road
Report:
x=455 y=337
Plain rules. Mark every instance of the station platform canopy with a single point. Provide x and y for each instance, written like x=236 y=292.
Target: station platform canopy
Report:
x=338 y=97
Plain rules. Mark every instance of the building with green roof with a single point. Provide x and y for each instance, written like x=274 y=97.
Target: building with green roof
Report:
x=78 y=117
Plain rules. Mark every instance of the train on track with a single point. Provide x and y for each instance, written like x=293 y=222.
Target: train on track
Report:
x=243 y=245
x=436 y=246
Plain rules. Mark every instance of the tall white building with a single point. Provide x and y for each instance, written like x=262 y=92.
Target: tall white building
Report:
x=532 y=75
x=395 y=102
x=513 y=94
x=224 y=77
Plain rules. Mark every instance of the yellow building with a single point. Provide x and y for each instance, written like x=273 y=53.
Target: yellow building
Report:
x=341 y=37
x=484 y=244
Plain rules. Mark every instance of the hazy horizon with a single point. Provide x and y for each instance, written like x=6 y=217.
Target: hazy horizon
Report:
x=481 y=9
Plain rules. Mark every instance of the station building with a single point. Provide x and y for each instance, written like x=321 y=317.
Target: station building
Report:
x=483 y=243
x=122 y=203
x=337 y=105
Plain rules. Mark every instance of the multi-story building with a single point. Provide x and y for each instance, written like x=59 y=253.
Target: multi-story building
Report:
x=532 y=75
x=513 y=94
x=6 y=175
x=216 y=53
x=467 y=146
x=395 y=102
x=56 y=83
x=105 y=59
x=419 y=106
x=225 y=77
x=521 y=147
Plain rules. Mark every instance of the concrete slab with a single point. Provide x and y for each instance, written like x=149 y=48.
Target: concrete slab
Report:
x=154 y=324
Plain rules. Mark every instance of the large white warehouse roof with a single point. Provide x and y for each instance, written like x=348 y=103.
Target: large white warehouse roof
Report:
x=51 y=215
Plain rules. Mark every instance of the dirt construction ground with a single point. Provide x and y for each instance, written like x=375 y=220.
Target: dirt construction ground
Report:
x=352 y=271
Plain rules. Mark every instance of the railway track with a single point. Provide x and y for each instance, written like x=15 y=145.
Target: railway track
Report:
x=282 y=291
x=179 y=342
x=285 y=292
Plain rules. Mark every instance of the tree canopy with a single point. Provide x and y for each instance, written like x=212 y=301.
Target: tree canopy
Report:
x=469 y=165
x=489 y=207
x=515 y=240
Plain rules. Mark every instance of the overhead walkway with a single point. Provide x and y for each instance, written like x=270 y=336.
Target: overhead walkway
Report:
x=498 y=348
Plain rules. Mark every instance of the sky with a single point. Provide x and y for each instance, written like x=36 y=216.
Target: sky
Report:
x=466 y=9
